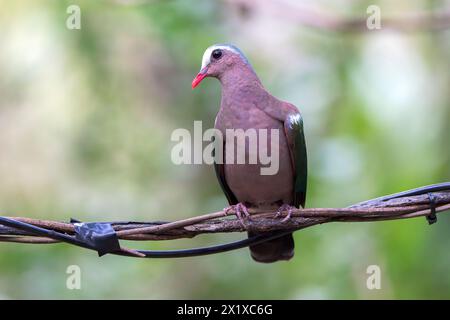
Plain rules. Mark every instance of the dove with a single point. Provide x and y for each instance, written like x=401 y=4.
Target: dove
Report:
x=246 y=104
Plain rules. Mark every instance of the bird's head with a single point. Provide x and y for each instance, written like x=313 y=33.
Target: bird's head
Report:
x=217 y=60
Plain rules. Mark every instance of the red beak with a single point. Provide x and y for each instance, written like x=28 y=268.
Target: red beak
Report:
x=201 y=75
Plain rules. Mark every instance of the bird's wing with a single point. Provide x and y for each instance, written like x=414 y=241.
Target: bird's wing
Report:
x=293 y=128
x=220 y=173
x=289 y=115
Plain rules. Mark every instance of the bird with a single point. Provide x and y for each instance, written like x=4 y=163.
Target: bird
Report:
x=246 y=104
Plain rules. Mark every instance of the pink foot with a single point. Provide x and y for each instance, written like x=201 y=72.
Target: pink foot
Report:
x=285 y=208
x=240 y=210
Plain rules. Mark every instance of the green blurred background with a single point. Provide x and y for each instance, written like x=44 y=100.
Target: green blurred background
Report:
x=85 y=123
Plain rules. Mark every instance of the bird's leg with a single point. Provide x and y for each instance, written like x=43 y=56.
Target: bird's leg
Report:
x=283 y=208
x=240 y=210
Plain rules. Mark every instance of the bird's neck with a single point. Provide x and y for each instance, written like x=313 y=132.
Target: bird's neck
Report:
x=240 y=79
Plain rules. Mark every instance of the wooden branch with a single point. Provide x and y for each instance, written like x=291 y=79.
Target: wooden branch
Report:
x=320 y=20
x=218 y=222
x=325 y=21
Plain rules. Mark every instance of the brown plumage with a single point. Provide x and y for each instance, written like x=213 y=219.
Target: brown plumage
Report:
x=247 y=105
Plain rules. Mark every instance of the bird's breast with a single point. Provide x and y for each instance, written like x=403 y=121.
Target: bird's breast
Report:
x=248 y=181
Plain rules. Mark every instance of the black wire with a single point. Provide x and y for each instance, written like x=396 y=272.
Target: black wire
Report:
x=203 y=250
x=148 y=253
x=444 y=186
x=214 y=249
x=432 y=218
x=43 y=232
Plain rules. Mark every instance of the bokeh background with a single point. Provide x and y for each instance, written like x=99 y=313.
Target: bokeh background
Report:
x=85 y=123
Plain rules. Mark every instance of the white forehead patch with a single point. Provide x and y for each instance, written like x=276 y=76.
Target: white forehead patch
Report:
x=207 y=55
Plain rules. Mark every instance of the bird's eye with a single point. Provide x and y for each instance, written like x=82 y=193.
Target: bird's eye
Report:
x=216 y=54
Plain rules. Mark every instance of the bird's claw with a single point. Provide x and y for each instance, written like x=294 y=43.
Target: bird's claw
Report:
x=240 y=210
x=283 y=208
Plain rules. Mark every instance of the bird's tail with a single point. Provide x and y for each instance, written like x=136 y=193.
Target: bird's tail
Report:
x=273 y=250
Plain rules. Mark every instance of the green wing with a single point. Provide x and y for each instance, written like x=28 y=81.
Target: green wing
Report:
x=293 y=127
